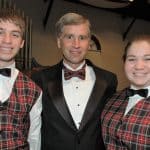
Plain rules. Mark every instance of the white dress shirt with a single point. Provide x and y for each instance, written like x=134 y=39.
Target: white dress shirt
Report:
x=6 y=85
x=133 y=100
x=77 y=92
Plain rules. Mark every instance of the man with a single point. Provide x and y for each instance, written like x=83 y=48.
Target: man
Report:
x=72 y=105
x=20 y=98
x=126 y=116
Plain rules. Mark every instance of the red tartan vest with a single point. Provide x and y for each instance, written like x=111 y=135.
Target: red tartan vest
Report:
x=14 y=114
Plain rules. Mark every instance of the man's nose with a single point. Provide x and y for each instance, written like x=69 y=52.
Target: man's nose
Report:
x=76 y=43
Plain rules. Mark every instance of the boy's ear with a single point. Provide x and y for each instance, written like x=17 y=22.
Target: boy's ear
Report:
x=22 y=44
x=58 y=43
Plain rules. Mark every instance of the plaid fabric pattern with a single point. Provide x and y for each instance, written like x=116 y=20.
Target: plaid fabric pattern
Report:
x=129 y=132
x=14 y=114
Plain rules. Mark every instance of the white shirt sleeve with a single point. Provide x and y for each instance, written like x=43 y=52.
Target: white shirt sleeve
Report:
x=34 y=137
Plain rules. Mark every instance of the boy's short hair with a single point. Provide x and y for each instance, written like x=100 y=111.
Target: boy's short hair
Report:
x=13 y=16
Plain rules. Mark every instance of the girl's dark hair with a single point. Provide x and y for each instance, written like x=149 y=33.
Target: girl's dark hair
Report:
x=142 y=37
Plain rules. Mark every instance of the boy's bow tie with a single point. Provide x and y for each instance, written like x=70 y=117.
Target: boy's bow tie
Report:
x=5 y=72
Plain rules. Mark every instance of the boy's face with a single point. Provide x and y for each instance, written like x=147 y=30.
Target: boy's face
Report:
x=10 y=42
x=137 y=64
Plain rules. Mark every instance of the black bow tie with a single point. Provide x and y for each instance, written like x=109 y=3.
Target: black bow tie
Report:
x=68 y=74
x=141 y=92
x=5 y=72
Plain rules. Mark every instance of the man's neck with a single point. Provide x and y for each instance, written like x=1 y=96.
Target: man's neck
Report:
x=74 y=66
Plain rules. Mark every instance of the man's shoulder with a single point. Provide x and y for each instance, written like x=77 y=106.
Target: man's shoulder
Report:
x=47 y=73
x=103 y=72
x=100 y=70
x=47 y=70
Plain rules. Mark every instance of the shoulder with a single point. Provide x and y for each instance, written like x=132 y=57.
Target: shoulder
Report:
x=31 y=91
x=47 y=74
x=117 y=99
x=47 y=71
x=103 y=73
x=120 y=94
x=27 y=81
x=100 y=70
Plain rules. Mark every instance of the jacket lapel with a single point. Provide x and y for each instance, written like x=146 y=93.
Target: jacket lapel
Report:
x=55 y=90
x=94 y=100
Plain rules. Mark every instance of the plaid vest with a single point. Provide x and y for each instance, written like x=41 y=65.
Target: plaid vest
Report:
x=14 y=114
x=129 y=132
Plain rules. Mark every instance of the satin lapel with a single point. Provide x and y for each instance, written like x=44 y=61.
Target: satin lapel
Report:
x=56 y=95
x=94 y=100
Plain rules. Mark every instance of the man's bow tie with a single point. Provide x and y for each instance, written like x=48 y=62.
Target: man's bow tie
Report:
x=68 y=74
x=141 y=92
x=5 y=72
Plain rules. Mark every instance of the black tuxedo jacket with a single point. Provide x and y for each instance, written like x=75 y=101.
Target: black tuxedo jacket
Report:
x=58 y=128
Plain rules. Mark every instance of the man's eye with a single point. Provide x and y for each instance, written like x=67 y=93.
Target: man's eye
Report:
x=130 y=59
x=69 y=37
x=147 y=59
x=16 y=35
x=83 y=37
x=1 y=32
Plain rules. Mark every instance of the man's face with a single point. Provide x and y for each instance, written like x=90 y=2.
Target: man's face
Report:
x=10 y=42
x=137 y=64
x=74 y=42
